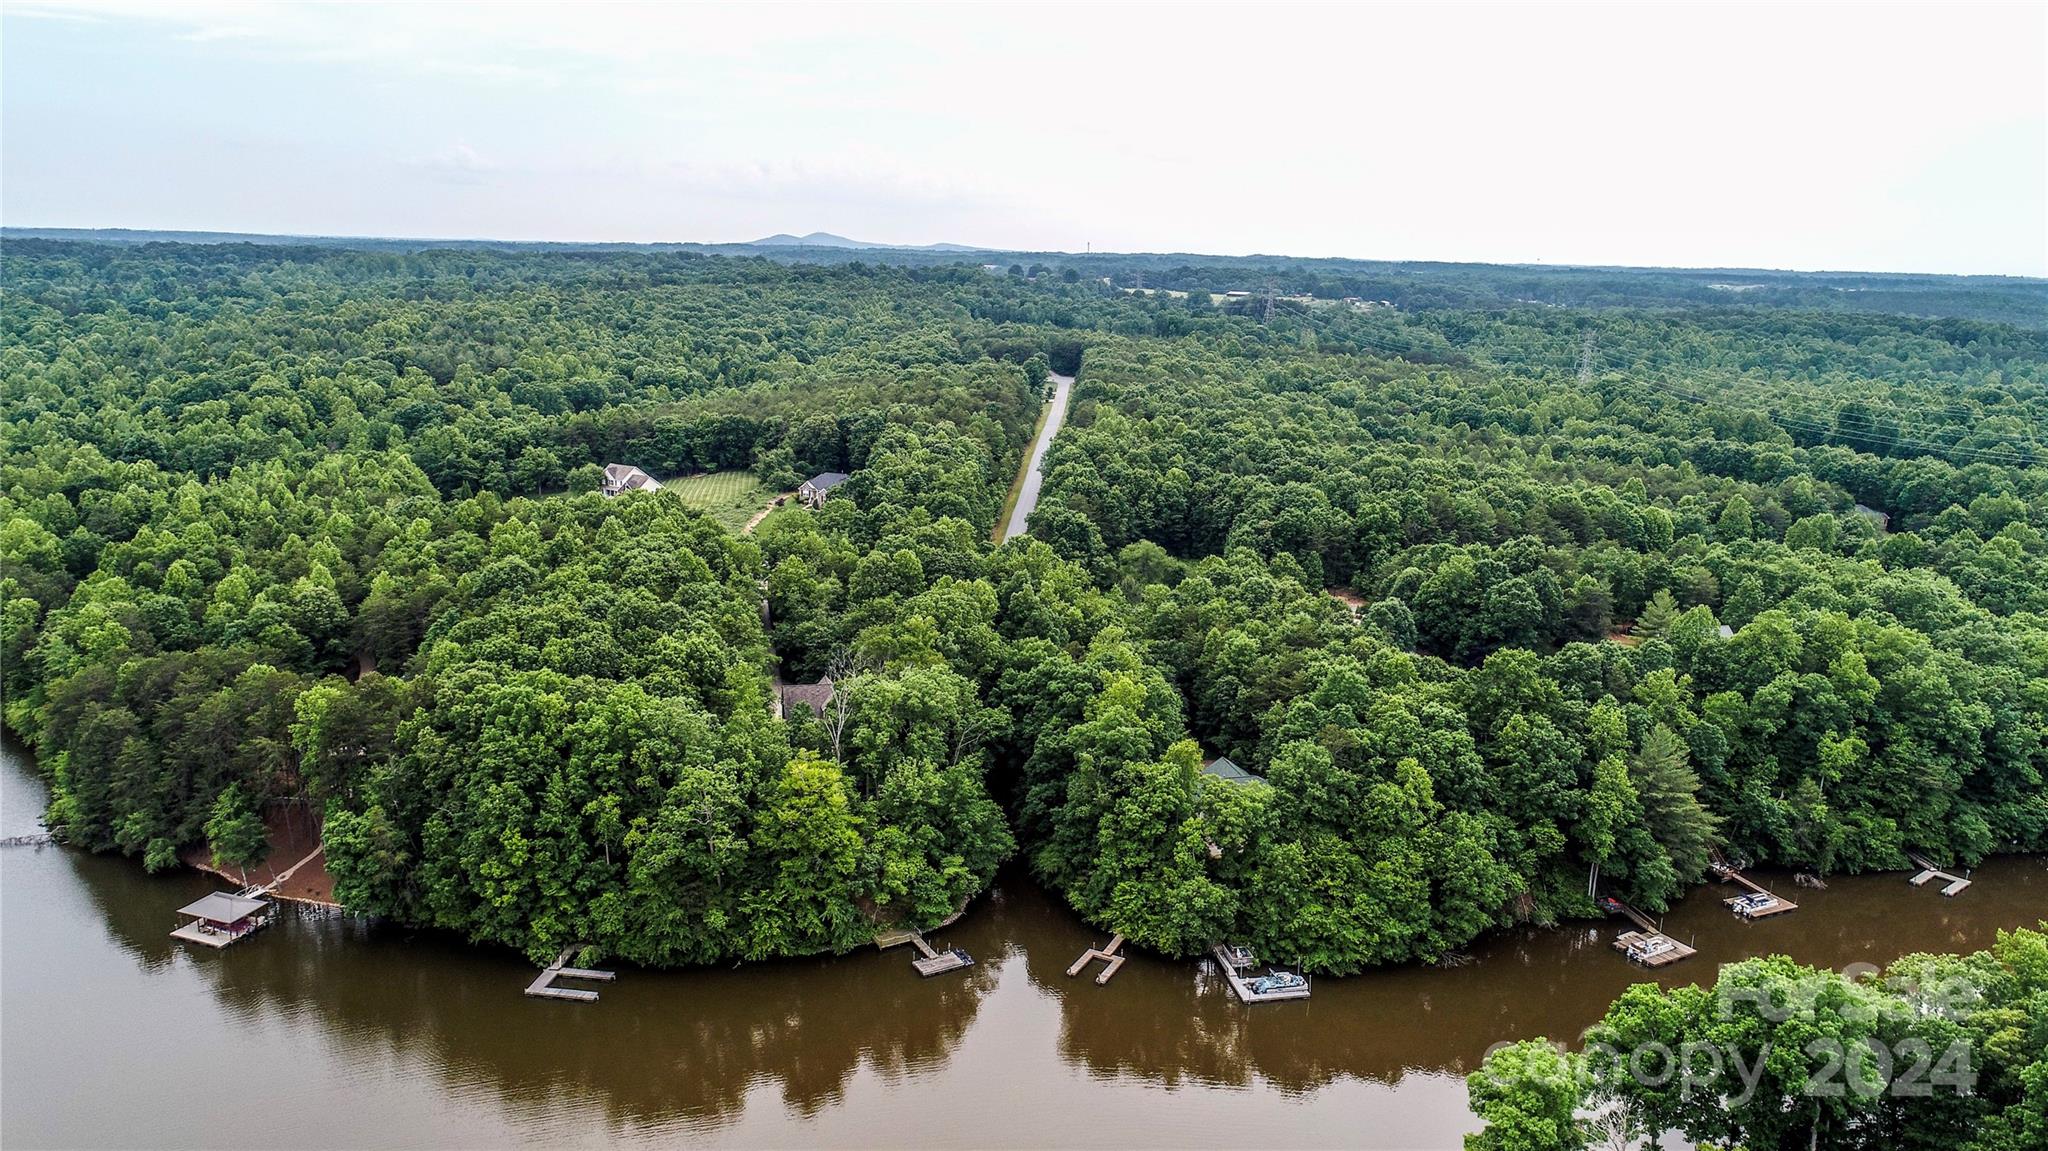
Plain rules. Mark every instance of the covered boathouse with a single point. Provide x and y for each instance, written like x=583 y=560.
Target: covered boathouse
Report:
x=220 y=918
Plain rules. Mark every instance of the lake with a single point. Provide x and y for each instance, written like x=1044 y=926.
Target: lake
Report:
x=331 y=1032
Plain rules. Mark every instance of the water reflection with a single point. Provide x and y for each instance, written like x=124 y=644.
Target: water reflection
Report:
x=660 y=1048
x=1165 y=1024
x=370 y=1034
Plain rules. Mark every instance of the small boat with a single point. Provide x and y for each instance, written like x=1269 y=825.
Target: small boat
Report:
x=1278 y=981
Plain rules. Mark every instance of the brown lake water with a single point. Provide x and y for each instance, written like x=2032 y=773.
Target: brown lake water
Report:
x=331 y=1032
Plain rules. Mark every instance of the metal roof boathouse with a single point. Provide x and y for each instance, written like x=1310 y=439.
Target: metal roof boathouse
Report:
x=220 y=918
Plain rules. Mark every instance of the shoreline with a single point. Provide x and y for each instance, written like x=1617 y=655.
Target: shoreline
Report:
x=207 y=867
x=1466 y=953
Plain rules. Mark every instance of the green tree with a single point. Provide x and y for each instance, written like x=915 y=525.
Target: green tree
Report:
x=1527 y=1094
x=235 y=831
x=1657 y=616
x=1668 y=791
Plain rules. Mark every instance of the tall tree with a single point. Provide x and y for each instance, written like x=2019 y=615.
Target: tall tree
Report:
x=1668 y=790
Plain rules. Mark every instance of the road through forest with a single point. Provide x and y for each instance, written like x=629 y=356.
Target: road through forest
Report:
x=1034 y=472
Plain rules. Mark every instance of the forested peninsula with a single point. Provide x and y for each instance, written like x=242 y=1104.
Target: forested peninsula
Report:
x=1504 y=588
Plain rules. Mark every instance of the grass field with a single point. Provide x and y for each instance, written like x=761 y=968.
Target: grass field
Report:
x=731 y=498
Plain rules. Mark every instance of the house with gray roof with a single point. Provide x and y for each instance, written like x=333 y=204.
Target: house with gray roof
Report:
x=816 y=696
x=818 y=488
x=622 y=478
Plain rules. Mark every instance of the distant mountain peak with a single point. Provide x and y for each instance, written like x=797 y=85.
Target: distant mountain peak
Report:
x=833 y=240
x=813 y=240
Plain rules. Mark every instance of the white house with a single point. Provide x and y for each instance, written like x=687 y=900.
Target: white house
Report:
x=620 y=478
x=818 y=488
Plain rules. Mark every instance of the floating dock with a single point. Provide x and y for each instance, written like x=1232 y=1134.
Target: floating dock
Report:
x=932 y=961
x=1648 y=946
x=543 y=985
x=1107 y=954
x=1231 y=959
x=1760 y=903
x=1651 y=949
x=1929 y=872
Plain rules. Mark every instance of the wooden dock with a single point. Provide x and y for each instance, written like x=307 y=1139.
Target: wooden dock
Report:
x=1929 y=872
x=942 y=962
x=1243 y=987
x=1108 y=955
x=543 y=985
x=1648 y=946
x=1651 y=948
x=931 y=960
x=1760 y=903
x=1648 y=925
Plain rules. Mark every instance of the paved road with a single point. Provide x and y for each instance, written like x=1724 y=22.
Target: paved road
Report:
x=1034 y=476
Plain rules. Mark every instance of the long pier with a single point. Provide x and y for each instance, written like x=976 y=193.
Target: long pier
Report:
x=1107 y=954
x=543 y=985
x=38 y=840
x=1929 y=872
x=1637 y=917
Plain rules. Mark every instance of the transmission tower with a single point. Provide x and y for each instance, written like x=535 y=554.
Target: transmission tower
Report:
x=1586 y=359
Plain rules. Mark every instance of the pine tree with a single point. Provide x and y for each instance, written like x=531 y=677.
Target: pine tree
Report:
x=1669 y=792
x=1655 y=621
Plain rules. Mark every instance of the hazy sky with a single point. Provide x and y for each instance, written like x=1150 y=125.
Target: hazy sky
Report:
x=1840 y=136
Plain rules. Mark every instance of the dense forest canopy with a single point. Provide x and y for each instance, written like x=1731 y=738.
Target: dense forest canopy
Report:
x=1524 y=586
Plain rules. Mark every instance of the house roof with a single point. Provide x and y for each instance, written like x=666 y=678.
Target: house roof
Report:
x=816 y=696
x=220 y=907
x=1222 y=768
x=826 y=481
x=629 y=478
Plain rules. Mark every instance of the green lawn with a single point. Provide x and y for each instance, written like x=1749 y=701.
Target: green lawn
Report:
x=731 y=498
